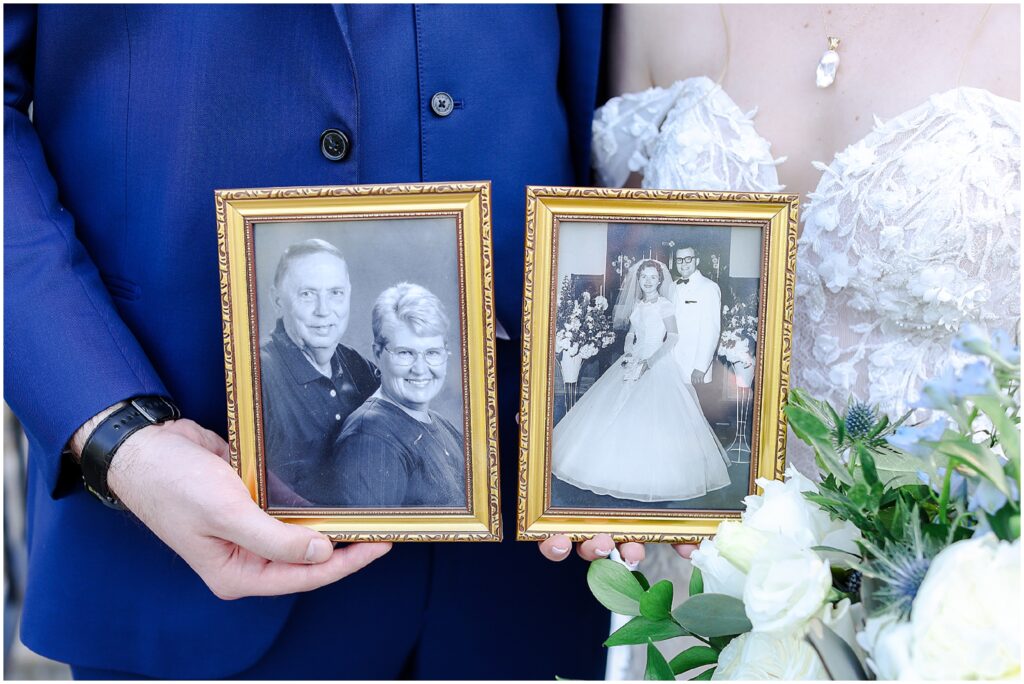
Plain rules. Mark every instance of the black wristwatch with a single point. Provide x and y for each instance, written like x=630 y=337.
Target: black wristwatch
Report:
x=102 y=444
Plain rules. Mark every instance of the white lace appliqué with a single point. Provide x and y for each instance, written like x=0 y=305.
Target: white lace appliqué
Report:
x=690 y=136
x=911 y=232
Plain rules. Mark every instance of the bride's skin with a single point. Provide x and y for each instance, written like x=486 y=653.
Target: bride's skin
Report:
x=892 y=58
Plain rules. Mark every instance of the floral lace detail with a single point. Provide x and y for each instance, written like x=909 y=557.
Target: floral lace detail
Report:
x=911 y=232
x=690 y=136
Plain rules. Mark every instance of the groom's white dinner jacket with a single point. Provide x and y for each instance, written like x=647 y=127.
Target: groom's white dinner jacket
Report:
x=699 y=317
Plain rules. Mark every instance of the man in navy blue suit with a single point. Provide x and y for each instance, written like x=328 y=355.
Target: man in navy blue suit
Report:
x=137 y=114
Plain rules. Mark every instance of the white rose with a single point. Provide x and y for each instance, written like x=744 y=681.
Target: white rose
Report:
x=720 y=576
x=887 y=643
x=785 y=587
x=784 y=510
x=739 y=543
x=966 y=616
x=769 y=655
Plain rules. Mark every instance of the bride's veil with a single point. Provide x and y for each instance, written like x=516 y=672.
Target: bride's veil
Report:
x=630 y=293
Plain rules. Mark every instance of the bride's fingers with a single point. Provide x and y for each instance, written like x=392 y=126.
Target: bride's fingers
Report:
x=599 y=547
x=556 y=548
x=684 y=550
x=632 y=553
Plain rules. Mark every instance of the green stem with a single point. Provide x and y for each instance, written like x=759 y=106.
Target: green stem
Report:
x=946 y=484
x=700 y=638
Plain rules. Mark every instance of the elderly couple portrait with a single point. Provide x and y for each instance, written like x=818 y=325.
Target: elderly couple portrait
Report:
x=639 y=432
x=342 y=430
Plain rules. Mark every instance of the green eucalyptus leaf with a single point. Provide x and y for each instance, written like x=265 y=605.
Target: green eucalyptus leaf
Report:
x=640 y=629
x=718 y=643
x=615 y=587
x=695 y=656
x=657 y=667
x=812 y=430
x=705 y=675
x=696 y=581
x=656 y=602
x=712 y=615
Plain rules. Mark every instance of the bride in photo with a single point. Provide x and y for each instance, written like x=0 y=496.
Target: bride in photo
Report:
x=639 y=433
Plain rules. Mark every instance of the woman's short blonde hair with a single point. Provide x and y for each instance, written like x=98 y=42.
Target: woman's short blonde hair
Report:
x=413 y=305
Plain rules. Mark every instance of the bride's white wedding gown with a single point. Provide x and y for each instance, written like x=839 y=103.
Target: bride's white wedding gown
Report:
x=912 y=231
x=644 y=439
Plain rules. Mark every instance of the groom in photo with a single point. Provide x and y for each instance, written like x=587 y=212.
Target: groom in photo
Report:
x=699 y=316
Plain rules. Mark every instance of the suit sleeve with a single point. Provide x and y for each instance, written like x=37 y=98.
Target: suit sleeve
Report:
x=67 y=353
x=711 y=314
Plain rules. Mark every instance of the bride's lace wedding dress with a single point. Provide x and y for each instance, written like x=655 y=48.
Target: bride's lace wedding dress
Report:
x=911 y=232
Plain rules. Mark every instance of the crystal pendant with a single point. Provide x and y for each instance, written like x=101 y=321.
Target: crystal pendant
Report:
x=829 y=64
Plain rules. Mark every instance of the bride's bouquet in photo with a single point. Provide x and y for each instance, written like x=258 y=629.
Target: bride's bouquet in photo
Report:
x=902 y=562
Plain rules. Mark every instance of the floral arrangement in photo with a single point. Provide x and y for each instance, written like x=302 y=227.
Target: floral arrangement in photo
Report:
x=584 y=327
x=739 y=333
x=903 y=562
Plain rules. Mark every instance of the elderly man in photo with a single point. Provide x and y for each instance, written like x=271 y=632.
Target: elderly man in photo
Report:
x=311 y=382
x=699 y=315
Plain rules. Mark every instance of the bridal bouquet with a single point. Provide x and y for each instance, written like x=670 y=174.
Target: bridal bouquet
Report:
x=903 y=562
x=584 y=327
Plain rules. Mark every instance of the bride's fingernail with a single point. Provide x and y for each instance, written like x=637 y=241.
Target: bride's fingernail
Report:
x=632 y=565
x=602 y=552
x=559 y=549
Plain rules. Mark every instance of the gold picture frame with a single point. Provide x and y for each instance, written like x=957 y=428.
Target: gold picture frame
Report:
x=454 y=220
x=552 y=213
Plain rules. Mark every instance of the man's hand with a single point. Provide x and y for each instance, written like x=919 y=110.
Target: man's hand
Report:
x=697 y=377
x=176 y=479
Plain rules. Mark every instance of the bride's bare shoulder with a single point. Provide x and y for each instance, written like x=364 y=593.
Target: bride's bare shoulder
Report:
x=656 y=45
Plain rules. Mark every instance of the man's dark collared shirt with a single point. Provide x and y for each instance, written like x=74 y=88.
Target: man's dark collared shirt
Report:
x=303 y=412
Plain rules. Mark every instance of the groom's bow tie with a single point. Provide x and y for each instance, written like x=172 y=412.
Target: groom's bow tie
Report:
x=683 y=281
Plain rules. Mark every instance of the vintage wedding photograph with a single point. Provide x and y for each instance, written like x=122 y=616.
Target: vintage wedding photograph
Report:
x=365 y=323
x=656 y=358
x=656 y=342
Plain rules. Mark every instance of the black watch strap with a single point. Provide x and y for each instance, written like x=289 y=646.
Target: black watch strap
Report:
x=102 y=444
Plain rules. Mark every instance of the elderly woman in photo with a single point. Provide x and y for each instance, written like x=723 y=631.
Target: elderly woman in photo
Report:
x=393 y=450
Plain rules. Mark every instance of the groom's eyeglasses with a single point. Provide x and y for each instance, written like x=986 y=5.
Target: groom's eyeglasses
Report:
x=685 y=260
x=406 y=357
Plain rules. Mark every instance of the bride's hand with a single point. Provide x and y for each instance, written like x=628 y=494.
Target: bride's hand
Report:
x=557 y=548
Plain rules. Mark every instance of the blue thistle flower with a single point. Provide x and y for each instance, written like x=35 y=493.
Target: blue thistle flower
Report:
x=901 y=574
x=860 y=418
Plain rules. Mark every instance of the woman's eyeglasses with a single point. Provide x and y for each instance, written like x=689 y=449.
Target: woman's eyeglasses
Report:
x=407 y=357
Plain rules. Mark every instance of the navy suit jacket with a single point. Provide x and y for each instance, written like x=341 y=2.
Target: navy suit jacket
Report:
x=111 y=280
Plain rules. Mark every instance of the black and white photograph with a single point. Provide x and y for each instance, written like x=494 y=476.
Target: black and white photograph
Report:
x=360 y=364
x=655 y=337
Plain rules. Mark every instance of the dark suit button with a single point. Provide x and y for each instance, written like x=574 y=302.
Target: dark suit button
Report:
x=334 y=144
x=442 y=104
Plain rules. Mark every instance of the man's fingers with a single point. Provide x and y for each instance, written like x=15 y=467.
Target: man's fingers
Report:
x=684 y=550
x=289 y=578
x=274 y=540
x=632 y=553
x=599 y=547
x=556 y=548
